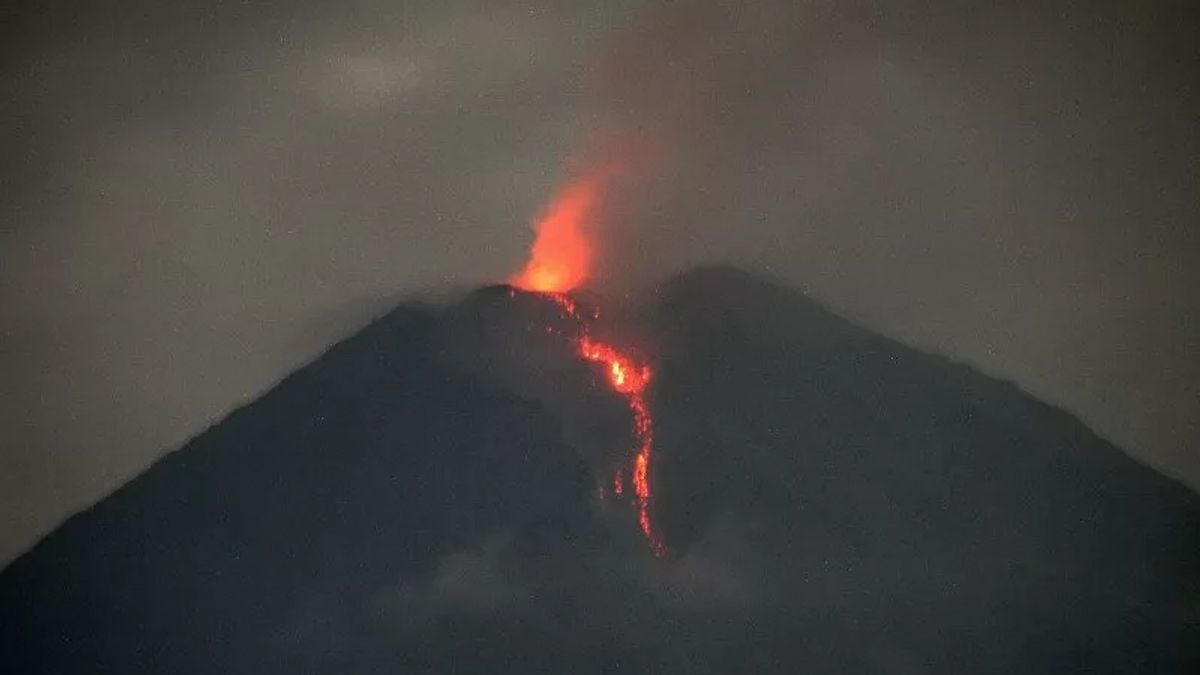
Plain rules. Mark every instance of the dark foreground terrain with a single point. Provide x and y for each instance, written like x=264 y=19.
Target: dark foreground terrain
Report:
x=424 y=498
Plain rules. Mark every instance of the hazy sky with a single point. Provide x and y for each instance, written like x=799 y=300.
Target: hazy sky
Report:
x=198 y=197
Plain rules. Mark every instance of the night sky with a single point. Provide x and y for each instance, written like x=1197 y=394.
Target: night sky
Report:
x=198 y=197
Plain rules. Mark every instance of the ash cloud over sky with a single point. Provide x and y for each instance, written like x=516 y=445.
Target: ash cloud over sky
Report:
x=201 y=196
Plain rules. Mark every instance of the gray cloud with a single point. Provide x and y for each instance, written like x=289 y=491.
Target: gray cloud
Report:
x=721 y=571
x=474 y=581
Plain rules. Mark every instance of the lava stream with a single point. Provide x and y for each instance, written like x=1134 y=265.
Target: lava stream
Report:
x=629 y=379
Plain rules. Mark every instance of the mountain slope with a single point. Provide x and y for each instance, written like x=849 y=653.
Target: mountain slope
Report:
x=930 y=502
x=355 y=472
x=423 y=498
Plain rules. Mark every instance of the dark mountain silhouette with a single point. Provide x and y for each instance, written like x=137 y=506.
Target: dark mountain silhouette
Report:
x=423 y=498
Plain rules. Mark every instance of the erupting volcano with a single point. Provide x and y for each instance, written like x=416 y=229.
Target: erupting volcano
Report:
x=559 y=262
x=422 y=499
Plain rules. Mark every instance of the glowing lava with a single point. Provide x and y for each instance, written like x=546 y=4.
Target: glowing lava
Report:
x=561 y=258
x=626 y=378
x=630 y=380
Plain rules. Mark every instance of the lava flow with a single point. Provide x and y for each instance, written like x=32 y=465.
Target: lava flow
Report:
x=561 y=261
x=629 y=379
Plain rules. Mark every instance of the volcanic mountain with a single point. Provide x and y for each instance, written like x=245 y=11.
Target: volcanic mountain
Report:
x=435 y=494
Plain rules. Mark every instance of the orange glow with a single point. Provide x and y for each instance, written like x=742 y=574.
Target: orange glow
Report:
x=625 y=377
x=561 y=259
x=629 y=379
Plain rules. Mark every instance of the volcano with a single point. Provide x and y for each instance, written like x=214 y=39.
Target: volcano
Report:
x=447 y=491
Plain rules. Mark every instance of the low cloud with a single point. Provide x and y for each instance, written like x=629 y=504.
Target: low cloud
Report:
x=474 y=581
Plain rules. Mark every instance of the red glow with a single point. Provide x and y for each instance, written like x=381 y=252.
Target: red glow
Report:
x=628 y=378
x=561 y=258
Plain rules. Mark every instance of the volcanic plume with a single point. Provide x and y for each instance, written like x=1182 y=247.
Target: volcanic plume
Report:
x=560 y=262
x=561 y=259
